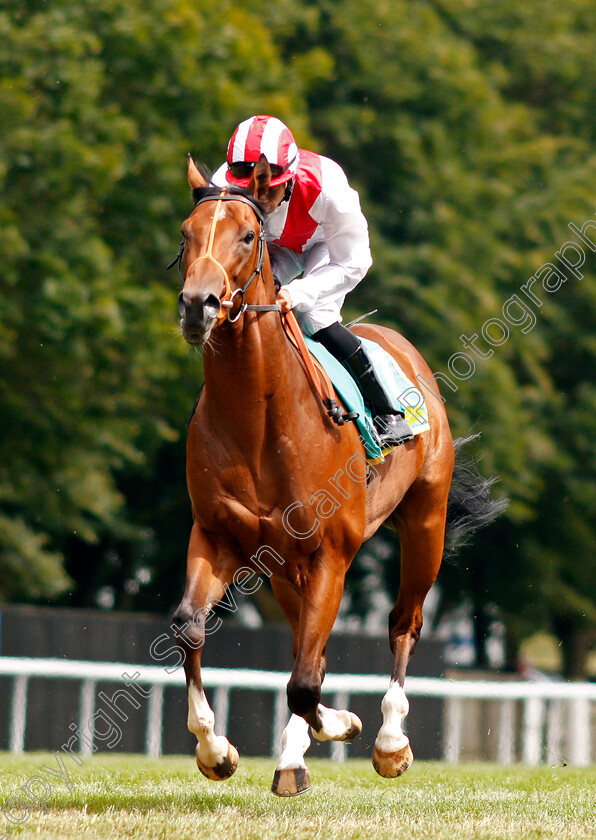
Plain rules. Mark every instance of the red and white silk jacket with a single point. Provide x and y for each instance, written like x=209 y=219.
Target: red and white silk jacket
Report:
x=323 y=209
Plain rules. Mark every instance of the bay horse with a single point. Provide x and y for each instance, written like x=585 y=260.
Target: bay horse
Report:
x=270 y=475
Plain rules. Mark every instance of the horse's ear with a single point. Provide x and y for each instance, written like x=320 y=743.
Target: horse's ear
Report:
x=195 y=179
x=260 y=179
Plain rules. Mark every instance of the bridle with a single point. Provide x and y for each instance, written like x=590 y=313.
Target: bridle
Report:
x=227 y=301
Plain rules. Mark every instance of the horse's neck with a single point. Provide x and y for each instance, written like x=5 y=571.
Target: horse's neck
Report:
x=252 y=371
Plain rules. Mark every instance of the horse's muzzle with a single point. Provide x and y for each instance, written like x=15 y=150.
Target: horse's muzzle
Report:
x=197 y=316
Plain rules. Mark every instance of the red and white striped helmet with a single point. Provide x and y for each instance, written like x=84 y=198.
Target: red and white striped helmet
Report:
x=261 y=135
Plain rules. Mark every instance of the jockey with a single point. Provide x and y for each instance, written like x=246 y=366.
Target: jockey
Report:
x=319 y=248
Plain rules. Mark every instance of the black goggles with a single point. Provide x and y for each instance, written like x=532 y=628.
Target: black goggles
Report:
x=244 y=168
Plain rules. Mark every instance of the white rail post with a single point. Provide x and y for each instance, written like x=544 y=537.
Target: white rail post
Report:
x=532 y=730
x=554 y=732
x=579 y=731
x=18 y=714
x=281 y=715
x=452 y=729
x=153 y=733
x=338 y=748
x=221 y=709
x=86 y=712
x=506 y=742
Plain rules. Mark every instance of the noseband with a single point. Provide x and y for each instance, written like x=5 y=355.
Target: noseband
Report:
x=227 y=301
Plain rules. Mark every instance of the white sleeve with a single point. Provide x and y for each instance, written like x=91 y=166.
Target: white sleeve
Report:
x=345 y=234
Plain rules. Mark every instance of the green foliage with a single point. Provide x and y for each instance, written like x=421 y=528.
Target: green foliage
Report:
x=462 y=126
x=99 y=102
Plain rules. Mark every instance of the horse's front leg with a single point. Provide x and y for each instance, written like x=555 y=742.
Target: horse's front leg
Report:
x=322 y=589
x=208 y=573
x=311 y=615
x=291 y=776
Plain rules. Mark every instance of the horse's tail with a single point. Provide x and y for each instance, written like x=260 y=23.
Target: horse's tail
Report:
x=469 y=506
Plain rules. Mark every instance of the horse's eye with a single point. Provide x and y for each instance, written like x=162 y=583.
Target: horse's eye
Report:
x=249 y=238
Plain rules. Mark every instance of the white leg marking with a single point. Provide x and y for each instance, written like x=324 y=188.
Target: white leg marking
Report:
x=213 y=749
x=294 y=743
x=395 y=707
x=333 y=728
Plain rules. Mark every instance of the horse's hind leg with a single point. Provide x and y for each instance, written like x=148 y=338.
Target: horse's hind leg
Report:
x=420 y=521
x=207 y=576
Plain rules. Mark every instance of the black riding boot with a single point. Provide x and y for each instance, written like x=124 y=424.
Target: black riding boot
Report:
x=390 y=424
x=347 y=348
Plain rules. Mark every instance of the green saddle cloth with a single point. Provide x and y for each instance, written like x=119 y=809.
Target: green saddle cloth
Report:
x=406 y=397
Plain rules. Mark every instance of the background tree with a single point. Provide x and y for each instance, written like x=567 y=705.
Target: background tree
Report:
x=464 y=126
x=100 y=101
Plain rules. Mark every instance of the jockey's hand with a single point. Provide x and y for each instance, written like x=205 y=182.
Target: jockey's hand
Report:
x=283 y=300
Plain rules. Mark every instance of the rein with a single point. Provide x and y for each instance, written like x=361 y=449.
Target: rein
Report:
x=227 y=301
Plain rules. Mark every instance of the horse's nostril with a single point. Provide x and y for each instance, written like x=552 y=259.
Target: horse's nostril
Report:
x=211 y=306
x=194 y=309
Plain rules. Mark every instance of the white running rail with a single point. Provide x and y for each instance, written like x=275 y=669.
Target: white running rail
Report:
x=552 y=721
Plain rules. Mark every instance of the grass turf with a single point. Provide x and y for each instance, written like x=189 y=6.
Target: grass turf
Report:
x=120 y=796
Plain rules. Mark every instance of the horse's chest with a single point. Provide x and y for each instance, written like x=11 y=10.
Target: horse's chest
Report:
x=273 y=494
x=235 y=499
x=256 y=474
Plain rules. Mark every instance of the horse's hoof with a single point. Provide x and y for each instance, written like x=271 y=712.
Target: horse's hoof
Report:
x=353 y=723
x=291 y=782
x=390 y=765
x=223 y=770
x=352 y=728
